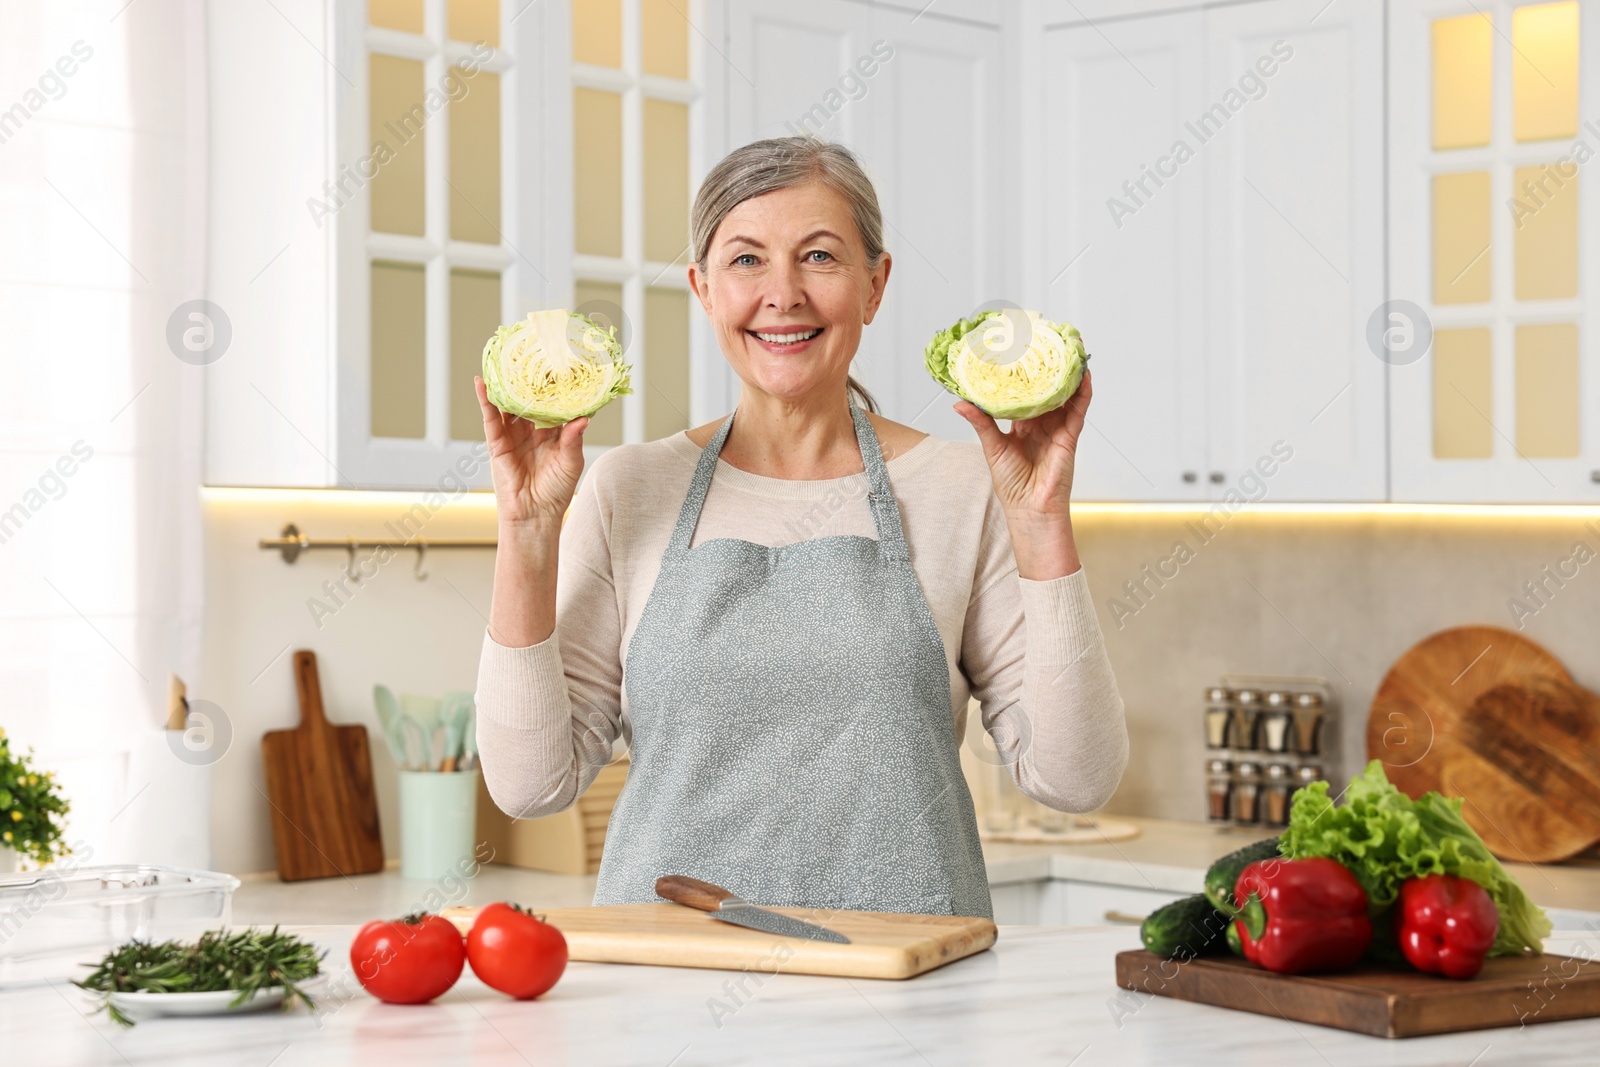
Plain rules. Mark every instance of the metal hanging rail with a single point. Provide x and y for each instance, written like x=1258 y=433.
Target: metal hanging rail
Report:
x=290 y=543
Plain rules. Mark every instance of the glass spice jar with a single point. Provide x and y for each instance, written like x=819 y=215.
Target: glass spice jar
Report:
x=1219 y=790
x=1280 y=786
x=1247 y=793
x=1307 y=773
x=1246 y=711
x=1308 y=716
x=1276 y=721
x=1219 y=716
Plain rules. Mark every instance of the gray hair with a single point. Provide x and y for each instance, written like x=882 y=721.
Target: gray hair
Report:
x=762 y=167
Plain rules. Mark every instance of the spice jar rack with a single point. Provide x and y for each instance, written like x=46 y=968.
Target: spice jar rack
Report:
x=1266 y=736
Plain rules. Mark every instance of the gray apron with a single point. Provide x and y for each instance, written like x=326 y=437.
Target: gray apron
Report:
x=792 y=733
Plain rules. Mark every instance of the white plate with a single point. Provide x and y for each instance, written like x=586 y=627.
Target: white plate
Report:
x=145 y=1005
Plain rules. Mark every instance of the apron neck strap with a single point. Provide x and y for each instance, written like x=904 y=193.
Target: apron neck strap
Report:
x=885 y=511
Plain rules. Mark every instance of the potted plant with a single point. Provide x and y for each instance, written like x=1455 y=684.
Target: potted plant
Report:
x=32 y=806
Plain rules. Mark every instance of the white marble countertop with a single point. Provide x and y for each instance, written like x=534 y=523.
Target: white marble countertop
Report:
x=1173 y=856
x=1041 y=995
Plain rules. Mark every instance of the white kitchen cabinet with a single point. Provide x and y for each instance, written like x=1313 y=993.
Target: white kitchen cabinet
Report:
x=1127 y=267
x=1070 y=902
x=290 y=252
x=1484 y=413
x=1216 y=232
x=923 y=123
x=1294 y=211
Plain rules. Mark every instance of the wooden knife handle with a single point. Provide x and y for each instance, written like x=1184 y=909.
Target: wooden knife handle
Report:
x=691 y=891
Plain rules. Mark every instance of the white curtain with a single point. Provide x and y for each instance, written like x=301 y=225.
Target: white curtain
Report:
x=102 y=212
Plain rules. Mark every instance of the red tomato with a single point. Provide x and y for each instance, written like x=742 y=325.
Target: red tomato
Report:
x=410 y=960
x=515 y=952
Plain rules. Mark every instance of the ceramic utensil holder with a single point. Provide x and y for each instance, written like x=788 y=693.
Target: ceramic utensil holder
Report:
x=438 y=822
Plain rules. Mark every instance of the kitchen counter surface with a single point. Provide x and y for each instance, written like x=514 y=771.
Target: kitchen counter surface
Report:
x=1173 y=856
x=1167 y=855
x=1042 y=995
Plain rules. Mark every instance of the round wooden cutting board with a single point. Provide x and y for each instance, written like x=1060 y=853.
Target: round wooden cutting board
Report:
x=1488 y=715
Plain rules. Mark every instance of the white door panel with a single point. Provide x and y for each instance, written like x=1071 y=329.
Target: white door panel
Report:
x=1295 y=208
x=921 y=123
x=1121 y=261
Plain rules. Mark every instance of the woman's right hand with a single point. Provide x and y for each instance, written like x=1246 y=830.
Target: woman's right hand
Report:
x=535 y=471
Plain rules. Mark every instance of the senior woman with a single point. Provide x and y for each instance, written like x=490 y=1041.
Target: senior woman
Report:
x=784 y=612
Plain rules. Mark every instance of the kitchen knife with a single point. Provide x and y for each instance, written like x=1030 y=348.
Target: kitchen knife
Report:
x=727 y=906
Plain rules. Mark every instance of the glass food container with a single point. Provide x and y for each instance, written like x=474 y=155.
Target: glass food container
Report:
x=55 y=921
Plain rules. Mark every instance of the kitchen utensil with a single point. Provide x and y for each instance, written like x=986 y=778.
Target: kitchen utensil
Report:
x=1510 y=755
x=1381 y=1001
x=177 y=703
x=56 y=920
x=424 y=713
x=455 y=715
x=469 y=740
x=147 y=1005
x=1528 y=760
x=728 y=906
x=319 y=786
x=389 y=715
x=882 y=944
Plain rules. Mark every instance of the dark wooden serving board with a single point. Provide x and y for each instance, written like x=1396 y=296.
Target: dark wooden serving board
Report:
x=1488 y=715
x=1381 y=1001
x=319 y=784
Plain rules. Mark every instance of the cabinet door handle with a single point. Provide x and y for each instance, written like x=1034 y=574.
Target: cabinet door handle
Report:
x=1216 y=477
x=1191 y=477
x=1122 y=918
x=1594 y=476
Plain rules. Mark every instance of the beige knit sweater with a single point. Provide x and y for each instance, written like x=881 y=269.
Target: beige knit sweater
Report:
x=1030 y=653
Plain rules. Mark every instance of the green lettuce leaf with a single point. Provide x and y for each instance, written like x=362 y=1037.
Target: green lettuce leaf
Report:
x=1384 y=837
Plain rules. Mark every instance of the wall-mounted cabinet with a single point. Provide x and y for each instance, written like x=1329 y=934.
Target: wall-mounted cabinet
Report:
x=387 y=189
x=919 y=100
x=1202 y=188
x=1210 y=184
x=1493 y=250
x=377 y=204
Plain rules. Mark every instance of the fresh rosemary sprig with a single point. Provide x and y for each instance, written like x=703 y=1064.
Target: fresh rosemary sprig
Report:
x=244 y=962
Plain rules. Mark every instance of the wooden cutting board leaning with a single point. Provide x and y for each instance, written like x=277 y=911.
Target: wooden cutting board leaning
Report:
x=1383 y=1002
x=1488 y=715
x=882 y=944
x=319 y=785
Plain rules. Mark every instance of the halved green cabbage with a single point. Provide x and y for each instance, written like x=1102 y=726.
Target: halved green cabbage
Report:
x=1013 y=364
x=553 y=367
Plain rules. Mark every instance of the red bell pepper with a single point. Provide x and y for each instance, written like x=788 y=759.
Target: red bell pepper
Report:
x=1446 y=925
x=1301 y=915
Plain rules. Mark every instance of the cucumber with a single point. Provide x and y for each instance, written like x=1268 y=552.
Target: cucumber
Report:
x=1185 y=928
x=1224 y=874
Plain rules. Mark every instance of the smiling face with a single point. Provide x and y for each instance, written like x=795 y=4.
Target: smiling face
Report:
x=787 y=287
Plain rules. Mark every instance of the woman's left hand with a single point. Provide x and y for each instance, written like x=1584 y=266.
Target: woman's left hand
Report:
x=1032 y=465
x=1032 y=468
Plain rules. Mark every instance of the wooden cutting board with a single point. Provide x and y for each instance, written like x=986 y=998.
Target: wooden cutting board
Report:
x=882 y=944
x=319 y=785
x=1383 y=1002
x=1490 y=716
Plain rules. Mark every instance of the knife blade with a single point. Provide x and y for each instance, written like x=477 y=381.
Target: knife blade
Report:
x=728 y=906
